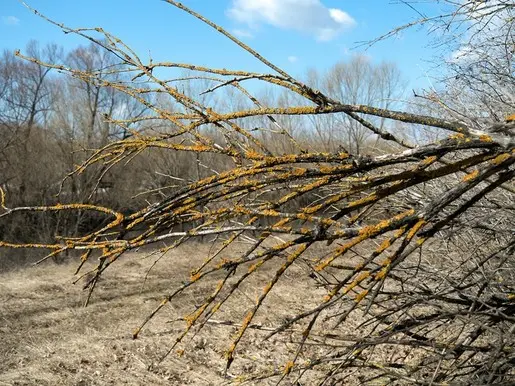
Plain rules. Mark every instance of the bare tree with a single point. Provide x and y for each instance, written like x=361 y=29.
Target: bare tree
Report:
x=82 y=122
x=28 y=173
x=359 y=82
x=475 y=39
x=413 y=250
x=26 y=102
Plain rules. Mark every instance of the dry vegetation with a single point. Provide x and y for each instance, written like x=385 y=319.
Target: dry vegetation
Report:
x=48 y=338
x=388 y=264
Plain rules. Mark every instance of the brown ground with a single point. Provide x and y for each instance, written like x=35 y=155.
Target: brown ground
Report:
x=48 y=338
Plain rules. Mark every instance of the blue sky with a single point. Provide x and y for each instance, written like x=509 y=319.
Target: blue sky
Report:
x=294 y=34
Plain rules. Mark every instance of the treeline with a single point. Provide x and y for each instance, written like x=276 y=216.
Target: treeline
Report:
x=50 y=123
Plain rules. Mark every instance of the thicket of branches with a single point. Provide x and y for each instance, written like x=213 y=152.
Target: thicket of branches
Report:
x=50 y=122
x=415 y=241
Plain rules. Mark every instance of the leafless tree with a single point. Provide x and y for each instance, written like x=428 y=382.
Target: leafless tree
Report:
x=413 y=249
x=26 y=100
x=357 y=81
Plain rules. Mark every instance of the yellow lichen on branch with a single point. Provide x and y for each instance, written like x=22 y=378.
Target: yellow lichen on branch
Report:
x=471 y=175
x=266 y=188
x=2 y=199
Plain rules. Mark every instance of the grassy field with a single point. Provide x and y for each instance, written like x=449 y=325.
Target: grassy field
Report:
x=48 y=338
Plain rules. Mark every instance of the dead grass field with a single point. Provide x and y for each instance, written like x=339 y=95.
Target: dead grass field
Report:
x=48 y=338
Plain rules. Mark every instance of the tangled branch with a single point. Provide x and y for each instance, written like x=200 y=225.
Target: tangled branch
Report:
x=416 y=244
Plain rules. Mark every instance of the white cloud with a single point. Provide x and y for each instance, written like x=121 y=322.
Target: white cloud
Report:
x=10 y=20
x=340 y=17
x=242 y=33
x=308 y=16
x=292 y=59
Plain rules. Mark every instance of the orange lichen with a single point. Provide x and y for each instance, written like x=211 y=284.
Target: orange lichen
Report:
x=183 y=209
x=339 y=251
x=29 y=245
x=354 y=218
x=255 y=266
x=322 y=265
x=289 y=158
x=219 y=286
x=268 y=287
x=415 y=229
x=382 y=273
x=313 y=209
x=386 y=262
x=295 y=254
x=360 y=296
x=223 y=262
x=471 y=175
x=288 y=367
x=297 y=172
x=485 y=138
x=363 y=200
x=350 y=287
x=327 y=169
x=287 y=197
x=216 y=307
x=270 y=212
x=315 y=184
x=238 y=209
x=400 y=232
x=362 y=276
x=281 y=222
x=407 y=213
x=429 y=160
x=458 y=136
x=327 y=222
x=359 y=266
x=384 y=245
x=229 y=353
x=192 y=318
x=370 y=230
x=500 y=158
x=303 y=216
x=421 y=240
x=246 y=320
x=189 y=200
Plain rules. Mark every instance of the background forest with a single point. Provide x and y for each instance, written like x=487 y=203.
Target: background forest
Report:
x=365 y=229
x=51 y=123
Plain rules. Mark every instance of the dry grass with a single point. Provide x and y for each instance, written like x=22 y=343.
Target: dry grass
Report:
x=48 y=338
